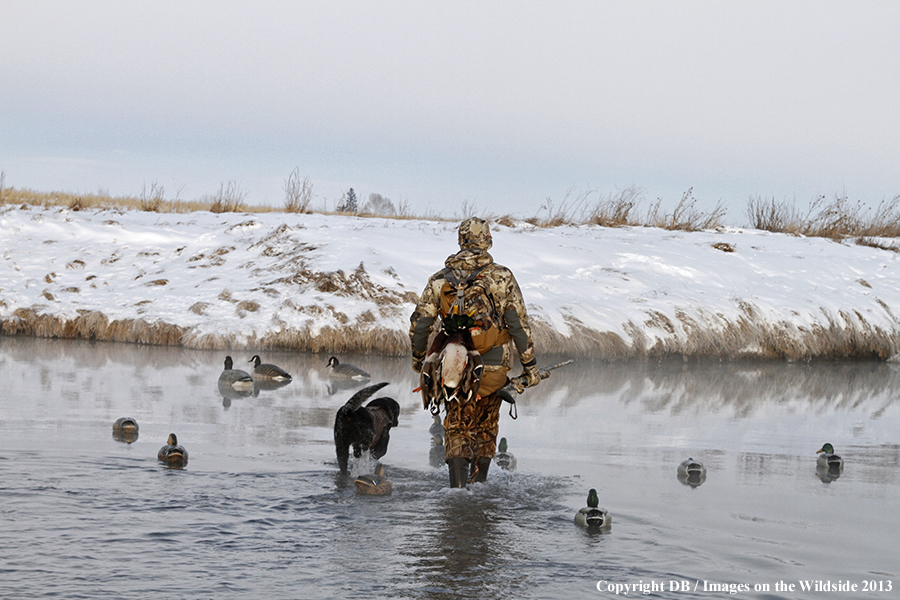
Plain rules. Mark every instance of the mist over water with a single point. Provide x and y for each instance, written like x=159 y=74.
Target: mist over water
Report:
x=260 y=509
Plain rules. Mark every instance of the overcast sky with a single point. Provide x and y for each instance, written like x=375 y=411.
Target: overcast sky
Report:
x=497 y=104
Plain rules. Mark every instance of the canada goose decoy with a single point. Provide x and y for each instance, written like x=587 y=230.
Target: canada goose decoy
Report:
x=345 y=371
x=504 y=459
x=125 y=429
x=828 y=460
x=239 y=380
x=172 y=454
x=374 y=484
x=263 y=370
x=592 y=517
x=691 y=472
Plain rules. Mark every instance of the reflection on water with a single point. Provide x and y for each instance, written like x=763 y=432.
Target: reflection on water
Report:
x=261 y=510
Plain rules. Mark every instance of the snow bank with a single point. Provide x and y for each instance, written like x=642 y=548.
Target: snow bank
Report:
x=348 y=284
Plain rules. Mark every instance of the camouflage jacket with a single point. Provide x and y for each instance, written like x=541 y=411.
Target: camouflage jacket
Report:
x=506 y=295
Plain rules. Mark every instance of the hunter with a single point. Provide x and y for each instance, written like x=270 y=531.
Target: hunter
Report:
x=494 y=299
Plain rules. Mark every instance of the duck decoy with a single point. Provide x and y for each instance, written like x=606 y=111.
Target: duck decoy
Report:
x=691 y=472
x=592 y=517
x=828 y=464
x=437 y=455
x=374 y=484
x=172 y=454
x=345 y=371
x=437 y=428
x=125 y=429
x=263 y=370
x=236 y=378
x=504 y=459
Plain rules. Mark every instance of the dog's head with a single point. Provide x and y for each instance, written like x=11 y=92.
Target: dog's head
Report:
x=390 y=406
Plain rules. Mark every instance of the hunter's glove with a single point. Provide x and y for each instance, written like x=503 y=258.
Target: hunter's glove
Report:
x=530 y=374
x=417 y=363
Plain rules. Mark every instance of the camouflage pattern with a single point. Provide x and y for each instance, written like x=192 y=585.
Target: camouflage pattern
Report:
x=501 y=285
x=471 y=427
x=474 y=233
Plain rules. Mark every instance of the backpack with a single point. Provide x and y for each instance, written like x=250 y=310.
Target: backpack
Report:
x=471 y=297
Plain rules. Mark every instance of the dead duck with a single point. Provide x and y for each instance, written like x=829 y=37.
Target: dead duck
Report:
x=691 y=472
x=829 y=463
x=172 y=454
x=504 y=459
x=452 y=369
x=125 y=429
x=374 y=484
x=592 y=517
x=345 y=371
x=268 y=371
x=236 y=378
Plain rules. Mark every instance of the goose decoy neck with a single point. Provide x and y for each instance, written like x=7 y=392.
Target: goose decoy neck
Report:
x=255 y=360
x=333 y=361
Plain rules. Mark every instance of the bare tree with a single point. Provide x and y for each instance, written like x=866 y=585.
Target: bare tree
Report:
x=298 y=192
x=379 y=205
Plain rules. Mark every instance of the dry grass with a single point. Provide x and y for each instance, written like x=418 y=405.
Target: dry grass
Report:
x=298 y=193
x=621 y=209
x=838 y=219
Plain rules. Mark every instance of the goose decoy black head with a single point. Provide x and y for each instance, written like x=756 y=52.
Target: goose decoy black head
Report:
x=263 y=370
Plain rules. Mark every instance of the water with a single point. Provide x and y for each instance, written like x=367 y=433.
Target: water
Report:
x=260 y=511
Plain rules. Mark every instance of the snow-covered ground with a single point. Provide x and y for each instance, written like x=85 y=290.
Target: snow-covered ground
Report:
x=323 y=283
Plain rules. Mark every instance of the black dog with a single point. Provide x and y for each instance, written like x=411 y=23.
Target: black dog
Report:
x=364 y=428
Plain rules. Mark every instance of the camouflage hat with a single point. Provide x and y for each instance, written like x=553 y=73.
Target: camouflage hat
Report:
x=474 y=233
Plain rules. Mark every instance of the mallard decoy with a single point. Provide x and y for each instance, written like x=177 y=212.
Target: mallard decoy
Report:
x=345 y=371
x=591 y=516
x=125 y=429
x=263 y=370
x=828 y=460
x=374 y=484
x=691 y=472
x=239 y=380
x=172 y=454
x=504 y=459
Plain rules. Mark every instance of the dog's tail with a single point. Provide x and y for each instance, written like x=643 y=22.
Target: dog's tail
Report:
x=361 y=396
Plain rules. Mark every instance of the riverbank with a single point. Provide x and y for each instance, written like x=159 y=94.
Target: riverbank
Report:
x=330 y=283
